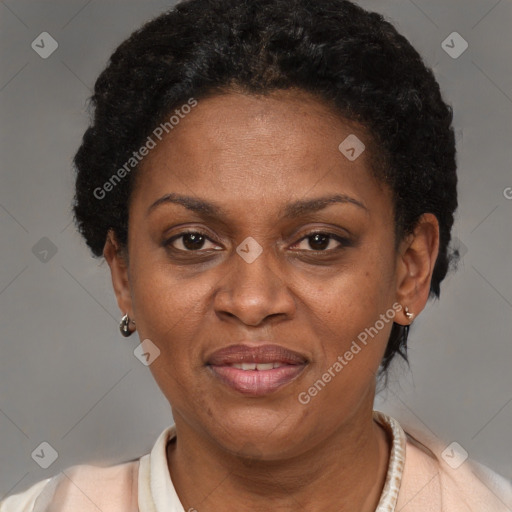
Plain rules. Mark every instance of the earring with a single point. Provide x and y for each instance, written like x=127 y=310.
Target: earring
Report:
x=124 y=326
x=408 y=314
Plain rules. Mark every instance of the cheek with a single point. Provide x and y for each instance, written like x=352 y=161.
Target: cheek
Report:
x=164 y=302
x=170 y=313
x=352 y=339
x=356 y=293
x=347 y=311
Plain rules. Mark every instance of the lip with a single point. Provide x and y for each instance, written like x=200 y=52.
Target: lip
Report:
x=245 y=353
x=256 y=382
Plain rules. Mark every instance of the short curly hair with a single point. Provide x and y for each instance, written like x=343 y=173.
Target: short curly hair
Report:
x=352 y=59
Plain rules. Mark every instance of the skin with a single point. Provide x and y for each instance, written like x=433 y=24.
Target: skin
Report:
x=252 y=156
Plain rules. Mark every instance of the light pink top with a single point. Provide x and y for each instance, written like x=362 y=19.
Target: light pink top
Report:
x=423 y=475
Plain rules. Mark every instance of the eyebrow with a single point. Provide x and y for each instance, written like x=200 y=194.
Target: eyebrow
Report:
x=294 y=209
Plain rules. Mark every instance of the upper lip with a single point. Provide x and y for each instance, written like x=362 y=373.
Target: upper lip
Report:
x=243 y=353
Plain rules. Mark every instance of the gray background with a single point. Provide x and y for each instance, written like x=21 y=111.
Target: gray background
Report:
x=67 y=377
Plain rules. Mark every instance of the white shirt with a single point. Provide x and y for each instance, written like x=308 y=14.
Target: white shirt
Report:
x=417 y=480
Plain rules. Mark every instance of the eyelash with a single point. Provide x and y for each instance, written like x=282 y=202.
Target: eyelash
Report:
x=344 y=242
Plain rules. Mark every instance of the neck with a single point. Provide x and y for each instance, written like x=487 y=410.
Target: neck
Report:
x=345 y=472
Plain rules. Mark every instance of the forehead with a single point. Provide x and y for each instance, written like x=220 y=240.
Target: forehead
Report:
x=281 y=145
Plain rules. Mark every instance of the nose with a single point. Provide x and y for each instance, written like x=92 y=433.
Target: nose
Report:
x=253 y=291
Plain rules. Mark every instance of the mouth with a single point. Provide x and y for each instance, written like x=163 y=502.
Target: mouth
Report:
x=256 y=370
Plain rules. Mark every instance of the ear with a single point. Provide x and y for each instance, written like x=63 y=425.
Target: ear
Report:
x=118 y=263
x=415 y=265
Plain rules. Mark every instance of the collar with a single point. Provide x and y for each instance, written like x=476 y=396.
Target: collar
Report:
x=157 y=492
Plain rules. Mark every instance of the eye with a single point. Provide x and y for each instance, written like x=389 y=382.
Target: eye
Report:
x=190 y=241
x=321 y=241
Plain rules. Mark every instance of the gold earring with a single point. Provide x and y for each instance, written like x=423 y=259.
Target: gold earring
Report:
x=408 y=314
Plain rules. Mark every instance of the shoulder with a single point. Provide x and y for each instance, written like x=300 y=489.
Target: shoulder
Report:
x=88 y=488
x=440 y=476
x=81 y=488
x=23 y=502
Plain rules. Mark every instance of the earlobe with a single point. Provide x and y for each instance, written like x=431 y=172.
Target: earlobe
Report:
x=408 y=313
x=119 y=273
x=416 y=260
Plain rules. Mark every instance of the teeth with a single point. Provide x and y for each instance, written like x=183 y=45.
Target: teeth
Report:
x=265 y=366
x=256 y=366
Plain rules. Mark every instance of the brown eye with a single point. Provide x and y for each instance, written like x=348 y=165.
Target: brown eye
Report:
x=319 y=241
x=322 y=242
x=189 y=241
x=193 y=241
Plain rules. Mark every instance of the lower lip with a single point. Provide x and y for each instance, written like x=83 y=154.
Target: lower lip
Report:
x=257 y=382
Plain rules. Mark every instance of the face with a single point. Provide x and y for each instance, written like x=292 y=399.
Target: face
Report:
x=272 y=236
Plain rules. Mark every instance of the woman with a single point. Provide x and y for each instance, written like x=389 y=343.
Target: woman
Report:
x=273 y=185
